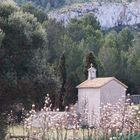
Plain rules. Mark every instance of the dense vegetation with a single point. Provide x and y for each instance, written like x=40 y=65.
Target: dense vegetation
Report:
x=40 y=56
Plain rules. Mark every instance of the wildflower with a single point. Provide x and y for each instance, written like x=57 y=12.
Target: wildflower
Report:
x=66 y=107
x=33 y=105
x=109 y=131
x=120 y=134
x=114 y=138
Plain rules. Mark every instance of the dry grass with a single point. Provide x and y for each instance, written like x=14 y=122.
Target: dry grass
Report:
x=17 y=130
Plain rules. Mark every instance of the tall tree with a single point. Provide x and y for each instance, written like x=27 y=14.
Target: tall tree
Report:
x=133 y=66
x=125 y=39
x=109 y=61
x=87 y=26
x=2 y=117
x=111 y=40
x=3 y=126
x=86 y=29
x=62 y=76
x=71 y=91
x=24 y=73
x=55 y=32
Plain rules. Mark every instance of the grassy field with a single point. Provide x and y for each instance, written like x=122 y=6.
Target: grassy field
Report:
x=20 y=131
x=17 y=130
x=71 y=134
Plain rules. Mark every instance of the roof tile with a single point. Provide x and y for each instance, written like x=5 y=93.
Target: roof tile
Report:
x=98 y=82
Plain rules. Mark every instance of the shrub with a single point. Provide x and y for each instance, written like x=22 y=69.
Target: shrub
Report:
x=3 y=126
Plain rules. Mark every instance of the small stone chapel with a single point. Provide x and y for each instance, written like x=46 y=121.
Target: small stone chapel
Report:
x=99 y=91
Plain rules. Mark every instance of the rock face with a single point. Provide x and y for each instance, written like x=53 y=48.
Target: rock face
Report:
x=109 y=15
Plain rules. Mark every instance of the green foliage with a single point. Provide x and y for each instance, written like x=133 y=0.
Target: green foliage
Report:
x=133 y=65
x=111 y=40
x=21 y=2
x=24 y=65
x=86 y=31
x=38 y=13
x=83 y=28
x=109 y=60
x=71 y=92
x=55 y=32
x=2 y=120
x=2 y=127
x=62 y=75
x=1 y=37
x=7 y=9
x=125 y=39
x=43 y=3
x=90 y=20
x=112 y=51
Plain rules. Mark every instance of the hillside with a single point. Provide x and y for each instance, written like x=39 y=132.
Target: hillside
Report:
x=108 y=14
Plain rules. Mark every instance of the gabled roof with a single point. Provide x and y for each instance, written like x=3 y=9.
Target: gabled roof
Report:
x=99 y=82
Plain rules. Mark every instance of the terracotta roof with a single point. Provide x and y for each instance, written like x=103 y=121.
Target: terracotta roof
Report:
x=98 y=82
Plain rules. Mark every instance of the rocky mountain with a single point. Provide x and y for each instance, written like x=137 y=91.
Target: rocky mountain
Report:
x=108 y=14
